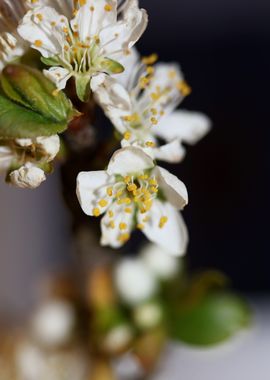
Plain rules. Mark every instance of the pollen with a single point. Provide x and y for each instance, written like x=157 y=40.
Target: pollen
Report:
x=127 y=135
x=122 y=226
x=103 y=203
x=132 y=187
x=38 y=43
x=154 y=121
x=184 y=88
x=123 y=238
x=150 y=60
x=96 y=211
x=150 y=144
x=163 y=220
x=112 y=224
x=39 y=16
x=109 y=191
x=108 y=8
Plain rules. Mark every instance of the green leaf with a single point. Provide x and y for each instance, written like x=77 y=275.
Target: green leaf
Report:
x=19 y=122
x=110 y=66
x=52 y=61
x=212 y=320
x=30 y=105
x=83 y=87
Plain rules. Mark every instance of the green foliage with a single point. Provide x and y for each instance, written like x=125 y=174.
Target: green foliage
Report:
x=212 y=319
x=30 y=106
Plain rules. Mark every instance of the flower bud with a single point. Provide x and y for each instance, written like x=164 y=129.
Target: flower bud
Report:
x=117 y=339
x=27 y=176
x=161 y=263
x=148 y=315
x=134 y=281
x=53 y=323
x=50 y=146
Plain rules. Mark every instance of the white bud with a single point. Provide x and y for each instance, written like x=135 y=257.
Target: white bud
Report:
x=50 y=146
x=148 y=315
x=134 y=281
x=118 y=338
x=6 y=158
x=53 y=323
x=160 y=263
x=27 y=176
x=24 y=143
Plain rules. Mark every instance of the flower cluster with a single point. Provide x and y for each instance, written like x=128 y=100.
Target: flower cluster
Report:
x=25 y=161
x=92 y=42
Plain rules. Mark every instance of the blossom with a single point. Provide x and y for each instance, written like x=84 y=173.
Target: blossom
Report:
x=27 y=176
x=134 y=282
x=12 y=45
x=163 y=265
x=53 y=323
x=91 y=42
x=142 y=108
x=133 y=192
x=28 y=158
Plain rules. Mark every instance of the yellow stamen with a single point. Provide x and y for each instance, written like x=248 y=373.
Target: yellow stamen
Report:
x=122 y=226
x=140 y=226
x=103 y=203
x=150 y=60
x=111 y=214
x=132 y=187
x=38 y=43
x=184 y=88
x=163 y=220
x=96 y=211
x=109 y=191
x=124 y=237
x=127 y=135
x=108 y=8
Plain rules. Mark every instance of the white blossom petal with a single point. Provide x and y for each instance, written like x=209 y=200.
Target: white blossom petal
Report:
x=91 y=188
x=59 y=76
x=116 y=230
x=27 y=176
x=50 y=146
x=186 y=126
x=173 y=235
x=174 y=190
x=93 y=16
x=6 y=158
x=172 y=152
x=36 y=28
x=129 y=160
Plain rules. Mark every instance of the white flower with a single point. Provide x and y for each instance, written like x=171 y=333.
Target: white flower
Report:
x=12 y=45
x=48 y=146
x=28 y=156
x=133 y=192
x=93 y=41
x=118 y=338
x=53 y=323
x=142 y=106
x=163 y=265
x=134 y=281
x=148 y=315
x=6 y=158
x=27 y=176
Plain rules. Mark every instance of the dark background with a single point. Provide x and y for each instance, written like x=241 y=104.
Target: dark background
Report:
x=223 y=47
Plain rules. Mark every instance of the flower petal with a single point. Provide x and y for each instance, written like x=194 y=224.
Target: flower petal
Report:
x=116 y=229
x=185 y=126
x=126 y=32
x=174 y=190
x=43 y=28
x=91 y=188
x=173 y=235
x=27 y=176
x=93 y=16
x=6 y=158
x=129 y=160
x=172 y=152
x=58 y=75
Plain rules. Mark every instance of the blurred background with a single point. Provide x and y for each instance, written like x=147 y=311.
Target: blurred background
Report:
x=223 y=50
